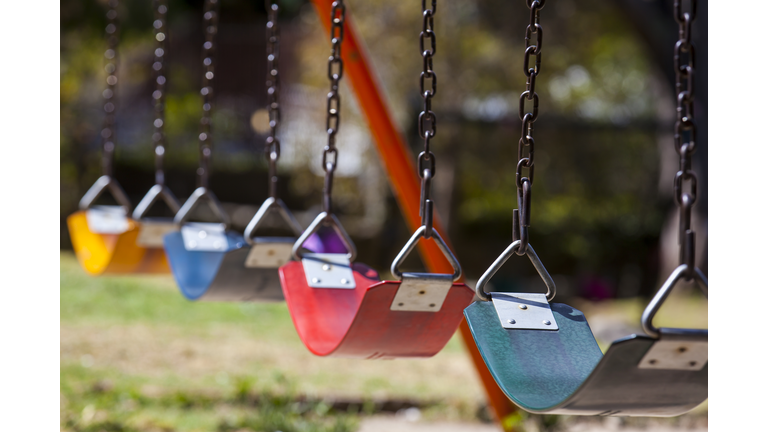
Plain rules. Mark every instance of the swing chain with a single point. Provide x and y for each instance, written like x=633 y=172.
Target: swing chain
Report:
x=161 y=34
x=685 y=133
x=335 y=73
x=210 y=24
x=272 y=148
x=521 y=217
x=110 y=104
x=426 y=161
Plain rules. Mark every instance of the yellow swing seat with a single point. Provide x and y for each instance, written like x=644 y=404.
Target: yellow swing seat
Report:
x=107 y=245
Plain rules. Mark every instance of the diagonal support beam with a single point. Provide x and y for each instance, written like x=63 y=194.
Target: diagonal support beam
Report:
x=398 y=163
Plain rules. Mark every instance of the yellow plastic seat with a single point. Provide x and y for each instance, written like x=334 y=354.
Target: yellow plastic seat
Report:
x=113 y=253
x=107 y=245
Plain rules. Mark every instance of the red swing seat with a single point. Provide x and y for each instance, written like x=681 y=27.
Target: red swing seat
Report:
x=360 y=322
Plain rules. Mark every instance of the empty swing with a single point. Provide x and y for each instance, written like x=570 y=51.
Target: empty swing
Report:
x=341 y=308
x=209 y=261
x=152 y=229
x=544 y=356
x=105 y=239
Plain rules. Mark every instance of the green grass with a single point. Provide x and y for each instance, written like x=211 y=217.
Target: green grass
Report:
x=137 y=356
x=155 y=301
x=100 y=400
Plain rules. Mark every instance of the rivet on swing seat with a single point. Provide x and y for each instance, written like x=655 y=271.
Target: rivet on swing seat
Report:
x=365 y=317
x=211 y=263
x=104 y=237
x=563 y=371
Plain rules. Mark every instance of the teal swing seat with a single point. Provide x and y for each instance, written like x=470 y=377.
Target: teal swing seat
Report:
x=558 y=368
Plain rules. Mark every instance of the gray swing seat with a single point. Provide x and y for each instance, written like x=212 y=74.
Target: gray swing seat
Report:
x=558 y=368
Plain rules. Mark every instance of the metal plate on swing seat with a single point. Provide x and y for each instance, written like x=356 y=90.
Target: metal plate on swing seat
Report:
x=524 y=311
x=675 y=355
x=204 y=237
x=152 y=231
x=270 y=252
x=422 y=292
x=106 y=220
x=328 y=270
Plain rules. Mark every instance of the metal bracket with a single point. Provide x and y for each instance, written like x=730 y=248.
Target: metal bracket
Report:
x=325 y=219
x=324 y=270
x=421 y=232
x=422 y=292
x=103 y=183
x=107 y=219
x=524 y=311
x=195 y=199
x=152 y=231
x=508 y=252
x=271 y=205
x=676 y=355
x=269 y=252
x=204 y=237
x=650 y=311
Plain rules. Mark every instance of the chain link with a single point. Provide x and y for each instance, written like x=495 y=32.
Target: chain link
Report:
x=272 y=148
x=158 y=96
x=685 y=131
x=427 y=119
x=335 y=73
x=210 y=25
x=110 y=100
x=534 y=38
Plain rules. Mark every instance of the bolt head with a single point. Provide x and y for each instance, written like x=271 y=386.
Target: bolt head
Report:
x=511 y=321
x=547 y=322
x=344 y=281
x=523 y=307
x=326 y=267
x=315 y=280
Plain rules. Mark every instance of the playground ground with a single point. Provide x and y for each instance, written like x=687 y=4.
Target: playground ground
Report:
x=137 y=356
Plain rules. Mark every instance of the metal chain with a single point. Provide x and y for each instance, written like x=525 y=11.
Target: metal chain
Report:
x=521 y=216
x=427 y=118
x=161 y=34
x=272 y=148
x=335 y=73
x=685 y=132
x=110 y=104
x=210 y=24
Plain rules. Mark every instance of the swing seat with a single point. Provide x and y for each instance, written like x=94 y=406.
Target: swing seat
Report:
x=546 y=360
x=343 y=309
x=564 y=371
x=211 y=263
x=220 y=275
x=359 y=322
x=115 y=252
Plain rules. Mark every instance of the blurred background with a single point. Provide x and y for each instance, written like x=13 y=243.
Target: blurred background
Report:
x=603 y=217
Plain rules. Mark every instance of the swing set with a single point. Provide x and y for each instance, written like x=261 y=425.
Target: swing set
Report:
x=539 y=355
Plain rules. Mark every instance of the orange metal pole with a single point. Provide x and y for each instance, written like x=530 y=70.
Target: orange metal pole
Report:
x=398 y=162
